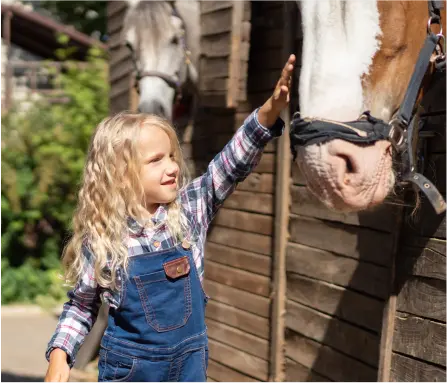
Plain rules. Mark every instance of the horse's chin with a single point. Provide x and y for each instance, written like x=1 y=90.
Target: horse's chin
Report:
x=346 y=177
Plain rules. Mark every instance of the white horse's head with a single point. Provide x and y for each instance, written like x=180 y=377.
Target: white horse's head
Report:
x=156 y=34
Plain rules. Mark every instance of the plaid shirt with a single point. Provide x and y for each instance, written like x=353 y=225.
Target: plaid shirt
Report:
x=200 y=201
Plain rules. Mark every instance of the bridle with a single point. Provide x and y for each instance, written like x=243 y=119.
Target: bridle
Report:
x=173 y=81
x=403 y=131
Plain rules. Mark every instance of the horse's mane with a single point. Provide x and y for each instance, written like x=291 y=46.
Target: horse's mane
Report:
x=150 y=20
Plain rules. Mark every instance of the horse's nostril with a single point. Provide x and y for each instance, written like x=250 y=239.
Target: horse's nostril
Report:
x=349 y=164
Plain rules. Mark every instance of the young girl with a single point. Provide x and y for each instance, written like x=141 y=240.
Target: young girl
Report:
x=138 y=245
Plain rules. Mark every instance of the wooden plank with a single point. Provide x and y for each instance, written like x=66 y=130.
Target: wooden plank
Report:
x=241 y=279
x=420 y=338
x=114 y=7
x=327 y=361
x=296 y=372
x=238 y=360
x=256 y=243
x=425 y=222
x=424 y=297
x=254 y=202
x=434 y=244
x=212 y=6
x=235 y=219
x=215 y=46
x=119 y=103
x=266 y=164
x=351 y=340
x=355 y=242
x=226 y=374
x=216 y=22
x=238 y=339
x=212 y=84
x=115 y=23
x=259 y=264
x=215 y=67
x=333 y=300
x=235 y=61
x=421 y=262
x=235 y=297
x=382 y=218
x=342 y=271
x=243 y=320
x=255 y=182
x=120 y=71
x=118 y=56
x=404 y=369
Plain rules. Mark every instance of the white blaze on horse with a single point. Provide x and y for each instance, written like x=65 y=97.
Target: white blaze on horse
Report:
x=164 y=39
x=357 y=56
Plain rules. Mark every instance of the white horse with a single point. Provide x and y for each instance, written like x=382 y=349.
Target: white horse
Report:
x=164 y=39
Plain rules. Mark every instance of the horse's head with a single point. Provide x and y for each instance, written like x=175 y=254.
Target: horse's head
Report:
x=155 y=33
x=357 y=56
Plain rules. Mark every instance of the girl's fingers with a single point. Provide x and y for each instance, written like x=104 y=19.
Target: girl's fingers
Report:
x=287 y=71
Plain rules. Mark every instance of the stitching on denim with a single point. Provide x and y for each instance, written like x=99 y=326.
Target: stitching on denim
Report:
x=171 y=365
x=202 y=352
x=161 y=349
x=130 y=374
x=144 y=299
x=180 y=364
x=105 y=365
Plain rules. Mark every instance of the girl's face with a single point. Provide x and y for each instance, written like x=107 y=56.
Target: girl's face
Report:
x=159 y=171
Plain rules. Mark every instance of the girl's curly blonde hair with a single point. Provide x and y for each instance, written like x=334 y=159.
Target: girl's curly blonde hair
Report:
x=111 y=192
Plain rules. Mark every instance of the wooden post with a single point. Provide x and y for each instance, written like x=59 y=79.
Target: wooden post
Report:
x=389 y=312
x=235 y=57
x=8 y=69
x=282 y=198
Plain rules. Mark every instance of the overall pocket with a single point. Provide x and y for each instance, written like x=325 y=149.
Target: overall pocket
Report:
x=115 y=367
x=166 y=295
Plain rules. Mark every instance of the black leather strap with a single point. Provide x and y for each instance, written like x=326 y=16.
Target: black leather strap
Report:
x=406 y=108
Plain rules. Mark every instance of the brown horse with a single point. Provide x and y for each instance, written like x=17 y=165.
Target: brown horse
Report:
x=357 y=56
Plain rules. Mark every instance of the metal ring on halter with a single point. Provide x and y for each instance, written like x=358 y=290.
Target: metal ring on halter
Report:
x=397 y=134
x=429 y=26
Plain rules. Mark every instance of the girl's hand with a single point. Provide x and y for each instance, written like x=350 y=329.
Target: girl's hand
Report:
x=58 y=369
x=270 y=111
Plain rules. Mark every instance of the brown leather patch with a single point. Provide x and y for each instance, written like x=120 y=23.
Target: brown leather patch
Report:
x=177 y=268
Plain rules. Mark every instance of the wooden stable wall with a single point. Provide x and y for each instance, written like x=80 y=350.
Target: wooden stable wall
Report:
x=238 y=263
x=122 y=95
x=414 y=327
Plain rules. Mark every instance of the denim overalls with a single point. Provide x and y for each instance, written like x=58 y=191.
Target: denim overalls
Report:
x=158 y=333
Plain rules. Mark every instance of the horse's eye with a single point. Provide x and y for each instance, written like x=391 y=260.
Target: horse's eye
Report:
x=175 y=40
x=129 y=46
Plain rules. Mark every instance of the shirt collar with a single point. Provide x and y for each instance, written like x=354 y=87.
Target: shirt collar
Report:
x=159 y=217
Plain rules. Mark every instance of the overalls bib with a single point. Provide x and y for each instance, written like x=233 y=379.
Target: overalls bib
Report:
x=158 y=333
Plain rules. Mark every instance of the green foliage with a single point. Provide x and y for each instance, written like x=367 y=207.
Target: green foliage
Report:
x=86 y=16
x=43 y=153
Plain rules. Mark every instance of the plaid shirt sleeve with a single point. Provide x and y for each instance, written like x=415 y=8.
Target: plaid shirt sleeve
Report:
x=204 y=195
x=79 y=313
